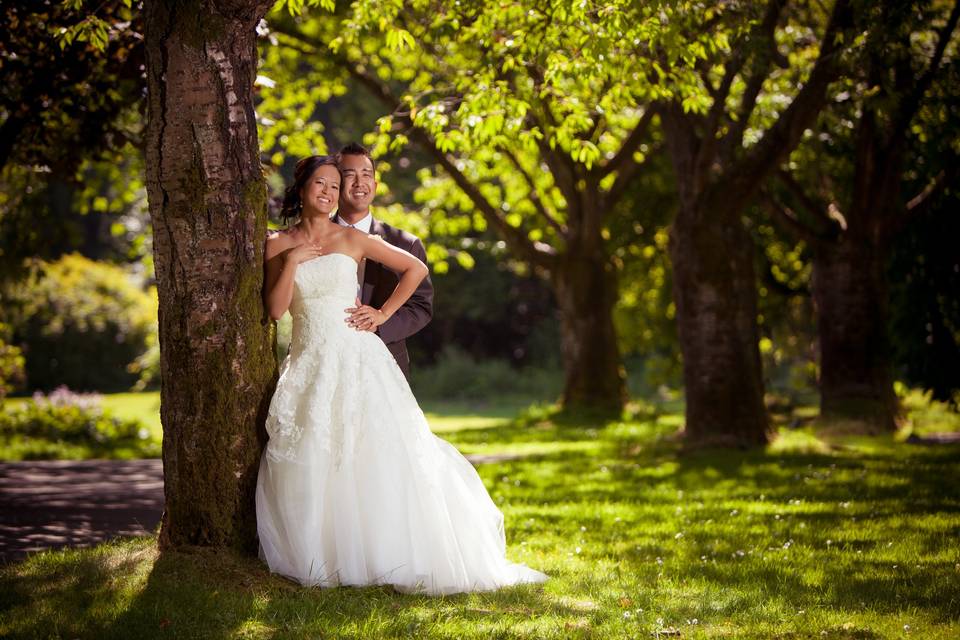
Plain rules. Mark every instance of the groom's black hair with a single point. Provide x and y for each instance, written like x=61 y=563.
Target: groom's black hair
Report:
x=354 y=149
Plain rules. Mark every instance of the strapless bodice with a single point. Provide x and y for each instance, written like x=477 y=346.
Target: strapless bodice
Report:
x=322 y=289
x=330 y=276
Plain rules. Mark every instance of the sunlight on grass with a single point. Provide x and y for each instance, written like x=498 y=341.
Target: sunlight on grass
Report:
x=925 y=416
x=797 y=441
x=144 y=407
x=816 y=537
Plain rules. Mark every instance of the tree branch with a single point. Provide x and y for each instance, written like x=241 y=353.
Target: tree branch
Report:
x=911 y=103
x=537 y=253
x=630 y=144
x=920 y=204
x=788 y=219
x=753 y=85
x=739 y=179
x=562 y=166
x=814 y=208
x=622 y=181
x=535 y=194
x=763 y=31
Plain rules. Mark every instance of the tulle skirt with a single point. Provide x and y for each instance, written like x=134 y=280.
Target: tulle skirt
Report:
x=354 y=488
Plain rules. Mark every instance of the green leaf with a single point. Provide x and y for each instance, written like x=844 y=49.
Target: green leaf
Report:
x=398 y=39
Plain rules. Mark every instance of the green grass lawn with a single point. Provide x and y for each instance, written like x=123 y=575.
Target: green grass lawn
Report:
x=443 y=416
x=812 y=538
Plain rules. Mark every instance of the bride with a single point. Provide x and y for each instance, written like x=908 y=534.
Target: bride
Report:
x=353 y=487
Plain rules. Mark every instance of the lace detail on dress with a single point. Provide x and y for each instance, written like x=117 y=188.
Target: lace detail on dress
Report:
x=322 y=362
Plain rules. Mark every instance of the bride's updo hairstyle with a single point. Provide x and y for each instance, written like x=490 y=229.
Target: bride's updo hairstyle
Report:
x=292 y=204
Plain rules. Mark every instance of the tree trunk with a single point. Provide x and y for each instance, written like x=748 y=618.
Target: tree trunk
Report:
x=208 y=207
x=715 y=293
x=850 y=293
x=586 y=291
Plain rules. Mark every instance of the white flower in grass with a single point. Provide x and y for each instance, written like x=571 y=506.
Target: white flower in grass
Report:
x=678 y=536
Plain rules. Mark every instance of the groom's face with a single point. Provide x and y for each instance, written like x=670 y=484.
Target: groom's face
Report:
x=359 y=183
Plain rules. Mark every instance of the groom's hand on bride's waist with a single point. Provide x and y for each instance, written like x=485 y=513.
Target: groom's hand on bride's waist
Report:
x=363 y=317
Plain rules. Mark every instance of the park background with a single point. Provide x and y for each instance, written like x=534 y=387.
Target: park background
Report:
x=695 y=265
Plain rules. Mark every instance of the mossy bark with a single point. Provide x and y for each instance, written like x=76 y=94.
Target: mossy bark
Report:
x=207 y=200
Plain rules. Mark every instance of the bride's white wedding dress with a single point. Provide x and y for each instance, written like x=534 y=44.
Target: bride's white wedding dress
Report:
x=354 y=488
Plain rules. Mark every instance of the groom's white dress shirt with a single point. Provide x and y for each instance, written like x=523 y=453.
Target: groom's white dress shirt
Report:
x=364 y=225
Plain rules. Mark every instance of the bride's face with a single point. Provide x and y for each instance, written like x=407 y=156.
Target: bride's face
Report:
x=322 y=190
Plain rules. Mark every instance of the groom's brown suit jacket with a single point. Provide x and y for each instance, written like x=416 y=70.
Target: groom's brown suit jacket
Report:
x=379 y=281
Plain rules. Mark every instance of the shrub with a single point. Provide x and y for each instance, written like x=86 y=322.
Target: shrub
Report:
x=71 y=425
x=11 y=363
x=457 y=376
x=81 y=324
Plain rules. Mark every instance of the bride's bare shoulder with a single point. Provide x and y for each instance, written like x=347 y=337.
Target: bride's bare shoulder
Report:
x=279 y=241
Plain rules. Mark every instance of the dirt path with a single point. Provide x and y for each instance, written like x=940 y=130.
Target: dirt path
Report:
x=73 y=503
x=78 y=503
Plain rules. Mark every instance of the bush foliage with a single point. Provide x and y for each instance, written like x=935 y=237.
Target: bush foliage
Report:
x=81 y=324
x=457 y=376
x=11 y=363
x=66 y=425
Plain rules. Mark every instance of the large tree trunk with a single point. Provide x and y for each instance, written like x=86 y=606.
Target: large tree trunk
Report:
x=850 y=293
x=715 y=293
x=208 y=207
x=586 y=291
x=850 y=290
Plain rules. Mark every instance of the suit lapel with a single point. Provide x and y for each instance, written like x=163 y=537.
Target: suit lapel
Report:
x=370 y=268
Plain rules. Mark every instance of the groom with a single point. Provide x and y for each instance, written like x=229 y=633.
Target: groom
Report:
x=358 y=185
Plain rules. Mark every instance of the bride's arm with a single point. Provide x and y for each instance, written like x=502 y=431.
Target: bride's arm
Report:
x=412 y=271
x=281 y=262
